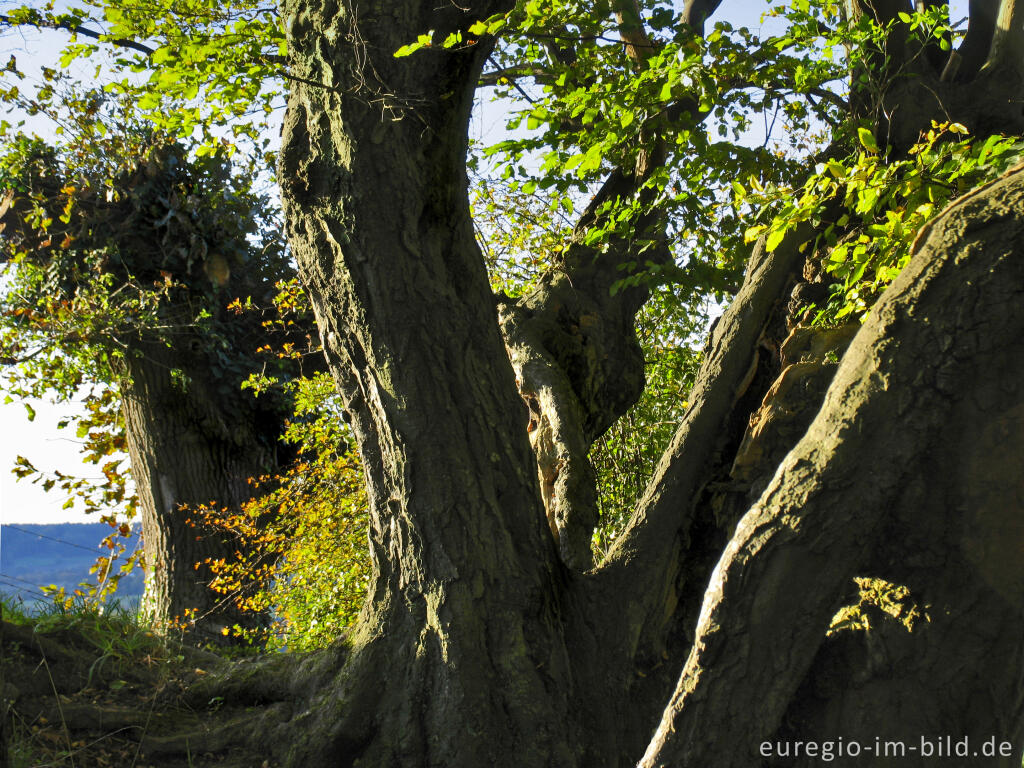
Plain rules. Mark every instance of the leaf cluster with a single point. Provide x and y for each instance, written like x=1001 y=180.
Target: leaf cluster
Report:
x=868 y=208
x=302 y=552
x=191 y=67
x=588 y=102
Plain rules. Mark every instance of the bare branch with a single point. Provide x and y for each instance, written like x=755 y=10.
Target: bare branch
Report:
x=667 y=510
x=515 y=85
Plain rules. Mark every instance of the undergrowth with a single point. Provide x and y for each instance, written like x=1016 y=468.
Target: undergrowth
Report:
x=63 y=658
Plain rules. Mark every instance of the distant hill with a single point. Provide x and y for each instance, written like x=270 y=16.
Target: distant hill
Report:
x=35 y=555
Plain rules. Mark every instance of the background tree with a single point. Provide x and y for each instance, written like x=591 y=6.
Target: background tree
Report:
x=717 y=620
x=126 y=254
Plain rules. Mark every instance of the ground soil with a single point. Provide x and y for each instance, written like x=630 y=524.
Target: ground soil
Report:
x=87 y=693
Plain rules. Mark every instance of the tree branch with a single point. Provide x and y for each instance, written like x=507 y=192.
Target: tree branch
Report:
x=981 y=24
x=697 y=12
x=812 y=526
x=77 y=29
x=639 y=46
x=495 y=76
x=1007 y=50
x=515 y=84
x=667 y=514
x=573 y=343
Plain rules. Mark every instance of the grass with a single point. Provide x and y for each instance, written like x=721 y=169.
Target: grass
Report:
x=115 y=632
x=124 y=658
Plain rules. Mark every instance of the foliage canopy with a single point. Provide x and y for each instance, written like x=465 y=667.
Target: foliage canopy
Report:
x=588 y=88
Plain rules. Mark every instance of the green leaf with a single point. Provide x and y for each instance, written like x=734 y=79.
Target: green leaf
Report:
x=774 y=238
x=867 y=139
x=572 y=162
x=68 y=56
x=421 y=42
x=836 y=169
x=753 y=233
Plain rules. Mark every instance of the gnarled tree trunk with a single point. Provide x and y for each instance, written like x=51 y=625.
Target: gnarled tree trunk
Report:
x=485 y=641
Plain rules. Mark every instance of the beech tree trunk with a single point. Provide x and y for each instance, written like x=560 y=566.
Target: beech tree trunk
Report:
x=484 y=641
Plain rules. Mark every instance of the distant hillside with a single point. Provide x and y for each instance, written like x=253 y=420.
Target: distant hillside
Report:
x=35 y=555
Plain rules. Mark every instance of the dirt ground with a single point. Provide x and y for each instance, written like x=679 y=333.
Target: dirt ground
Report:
x=84 y=692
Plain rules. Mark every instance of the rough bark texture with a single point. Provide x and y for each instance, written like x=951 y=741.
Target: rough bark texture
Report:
x=478 y=646
x=193 y=440
x=458 y=628
x=721 y=610
x=921 y=395
x=578 y=364
x=909 y=472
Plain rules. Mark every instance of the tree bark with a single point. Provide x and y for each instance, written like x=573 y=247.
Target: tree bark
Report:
x=458 y=659
x=194 y=441
x=908 y=396
x=477 y=644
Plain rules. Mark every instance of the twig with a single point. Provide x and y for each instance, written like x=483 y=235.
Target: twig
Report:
x=60 y=709
x=514 y=83
x=142 y=735
x=122 y=42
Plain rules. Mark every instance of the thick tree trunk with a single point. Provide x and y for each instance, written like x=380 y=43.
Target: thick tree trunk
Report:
x=477 y=645
x=193 y=441
x=910 y=472
x=458 y=659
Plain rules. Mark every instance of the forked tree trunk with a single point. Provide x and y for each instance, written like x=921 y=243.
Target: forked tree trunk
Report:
x=910 y=473
x=478 y=646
